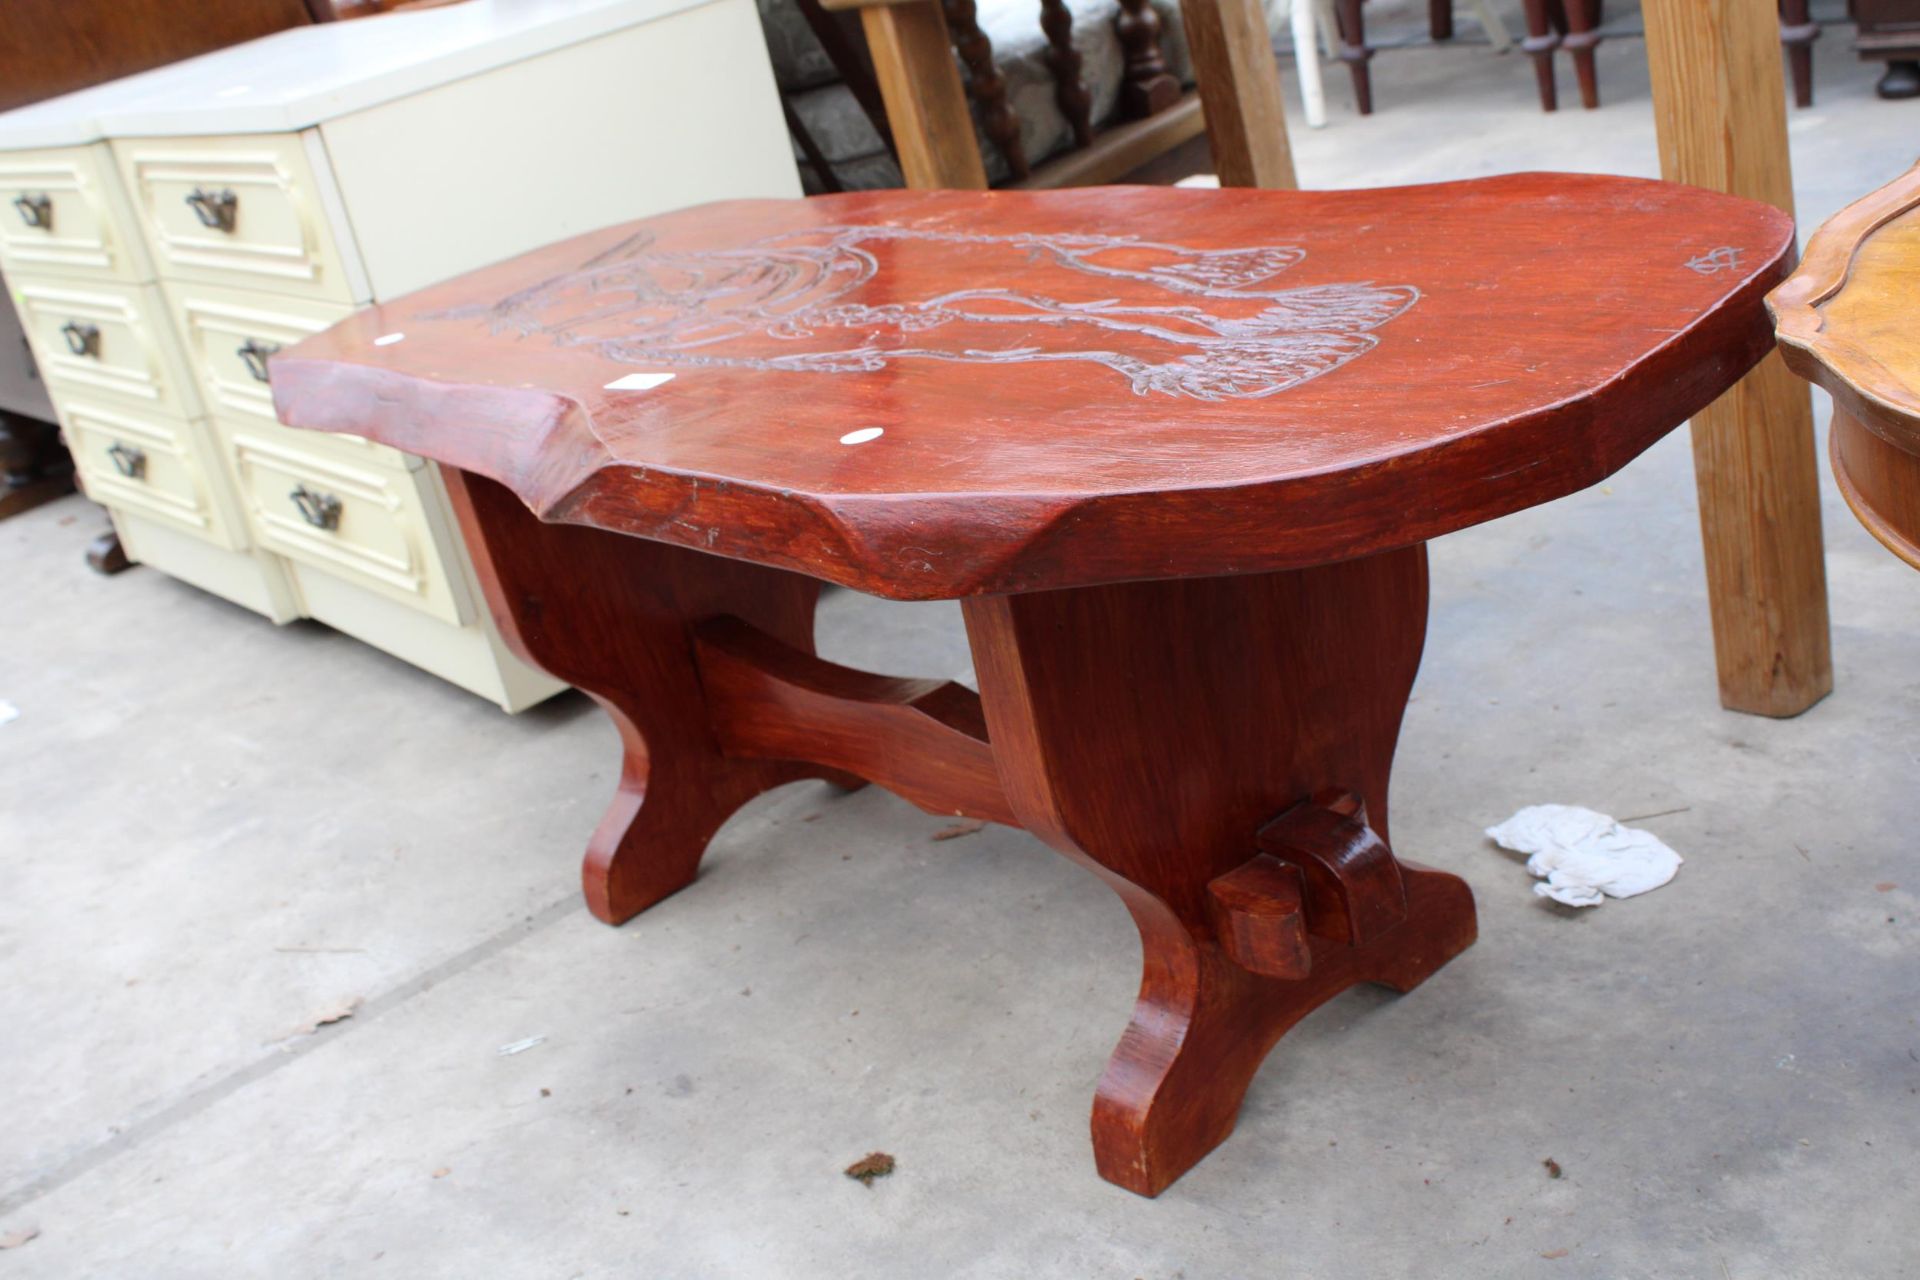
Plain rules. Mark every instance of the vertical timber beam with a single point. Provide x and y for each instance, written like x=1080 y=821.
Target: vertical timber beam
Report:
x=1240 y=92
x=926 y=101
x=1720 y=108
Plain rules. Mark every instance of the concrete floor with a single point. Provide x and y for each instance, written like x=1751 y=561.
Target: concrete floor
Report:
x=216 y=831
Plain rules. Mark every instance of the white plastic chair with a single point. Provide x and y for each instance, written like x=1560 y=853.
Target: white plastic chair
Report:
x=1316 y=31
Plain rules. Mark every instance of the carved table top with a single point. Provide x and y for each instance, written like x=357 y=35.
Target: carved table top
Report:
x=934 y=394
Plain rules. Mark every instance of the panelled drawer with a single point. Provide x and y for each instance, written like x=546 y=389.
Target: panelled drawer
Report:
x=64 y=212
x=106 y=340
x=231 y=334
x=376 y=526
x=165 y=468
x=242 y=211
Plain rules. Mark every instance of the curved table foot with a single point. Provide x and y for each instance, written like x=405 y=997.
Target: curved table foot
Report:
x=614 y=616
x=1218 y=750
x=1204 y=1024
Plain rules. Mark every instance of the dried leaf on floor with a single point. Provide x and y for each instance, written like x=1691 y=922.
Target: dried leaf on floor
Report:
x=1553 y=1167
x=959 y=829
x=1885 y=886
x=1554 y=1253
x=875 y=1164
x=20 y=1235
x=336 y=1013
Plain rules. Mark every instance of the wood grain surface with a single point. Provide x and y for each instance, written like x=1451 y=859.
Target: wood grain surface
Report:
x=939 y=394
x=1721 y=117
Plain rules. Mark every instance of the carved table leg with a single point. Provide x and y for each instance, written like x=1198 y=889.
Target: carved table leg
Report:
x=1218 y=750
x=614 y=616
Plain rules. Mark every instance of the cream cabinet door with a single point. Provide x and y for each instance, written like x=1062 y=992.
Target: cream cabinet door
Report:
x=164 y=468
x=378 y=527
x=106 y=341
x=64 y=212
x=243 y=211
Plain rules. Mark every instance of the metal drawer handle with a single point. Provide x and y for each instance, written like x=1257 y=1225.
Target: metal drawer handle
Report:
x=131 y=463
x=82 y=339
x=255 y=353
x=216 y=209
x=321 y=510
x=35 y=211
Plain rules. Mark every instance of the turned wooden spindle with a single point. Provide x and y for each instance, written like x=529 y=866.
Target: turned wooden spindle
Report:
x=1149 y=86
x=1069 y=88
x=1583 y=34
x=1798 y=31
x=1355 y=53
x=985 y=85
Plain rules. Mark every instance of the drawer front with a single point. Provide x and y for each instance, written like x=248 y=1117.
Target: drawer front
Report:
x=106 y=341
x=64 y=212
x=231 y=335
x=243 y=211
x=377 y=527
x=163 y=468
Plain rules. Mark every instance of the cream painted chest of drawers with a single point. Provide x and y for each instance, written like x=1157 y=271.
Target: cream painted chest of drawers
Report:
x=165 y=234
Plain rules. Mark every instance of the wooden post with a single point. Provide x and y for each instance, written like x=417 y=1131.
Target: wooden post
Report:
x=1240 y=92
x=926 y=102
x=1720 y=109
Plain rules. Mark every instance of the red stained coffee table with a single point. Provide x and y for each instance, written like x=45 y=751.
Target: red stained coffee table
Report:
x=1178 y=454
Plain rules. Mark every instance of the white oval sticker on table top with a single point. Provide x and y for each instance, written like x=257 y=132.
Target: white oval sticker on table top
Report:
x=388 y=339
x=639 y=382
x=863 y=435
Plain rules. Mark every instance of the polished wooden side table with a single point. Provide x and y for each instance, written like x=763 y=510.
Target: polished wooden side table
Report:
x=1177 y=453
x=1849 y=319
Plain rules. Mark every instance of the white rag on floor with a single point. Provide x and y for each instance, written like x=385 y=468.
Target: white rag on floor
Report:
x=1581 y=855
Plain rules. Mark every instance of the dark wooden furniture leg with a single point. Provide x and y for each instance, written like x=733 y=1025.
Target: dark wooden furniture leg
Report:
x=1217 y=749
x=1798 y=31
x=1354 y=52
x=613 y=615
x=1583 y=33
x=1541 y=41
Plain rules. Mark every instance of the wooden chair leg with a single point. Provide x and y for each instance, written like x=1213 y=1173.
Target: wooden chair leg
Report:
x=1440 y=19
x=1540 y=43
x=1354 y=52
x=1720 y=111
x=1221 y=703
x=615 y=617
x=1798 y=31
x=1239 y=85
x=926 y=99
x=1583 y=23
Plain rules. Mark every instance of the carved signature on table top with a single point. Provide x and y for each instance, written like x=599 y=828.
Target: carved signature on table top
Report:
x=1725 y=258
x=841 y=299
